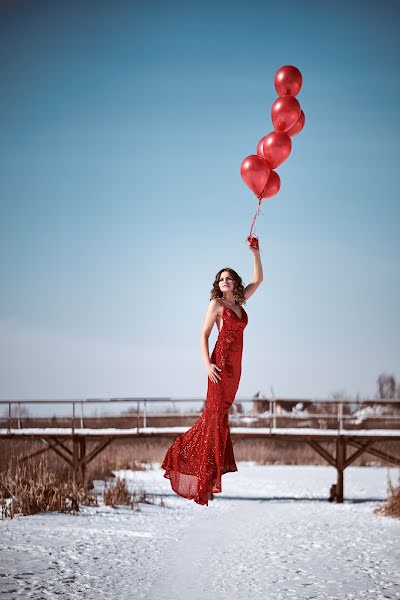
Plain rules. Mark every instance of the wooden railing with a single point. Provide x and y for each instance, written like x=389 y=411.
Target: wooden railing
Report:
x=324 y=413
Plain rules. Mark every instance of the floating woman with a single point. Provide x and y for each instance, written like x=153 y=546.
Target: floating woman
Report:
x=198 y=458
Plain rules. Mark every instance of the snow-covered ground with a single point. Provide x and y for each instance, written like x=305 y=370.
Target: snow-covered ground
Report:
x=270 y=535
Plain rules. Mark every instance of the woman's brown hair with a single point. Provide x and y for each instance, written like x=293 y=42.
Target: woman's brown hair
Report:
x=238 y=291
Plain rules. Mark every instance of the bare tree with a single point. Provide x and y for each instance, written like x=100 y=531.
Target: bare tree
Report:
x=386 y=387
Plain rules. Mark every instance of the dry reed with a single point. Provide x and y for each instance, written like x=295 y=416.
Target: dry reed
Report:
x=30 y=489
x=117 y=494
x=136 y=454
x=391 y=508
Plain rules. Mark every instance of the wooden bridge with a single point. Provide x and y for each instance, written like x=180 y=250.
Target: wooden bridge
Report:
x=355 y=427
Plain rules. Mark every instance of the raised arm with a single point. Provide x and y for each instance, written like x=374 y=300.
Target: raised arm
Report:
x=257 y=274
x=211 y=317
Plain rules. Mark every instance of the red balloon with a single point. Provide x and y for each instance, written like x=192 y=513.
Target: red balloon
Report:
x=298 y=126
x=284 y=113
x=288 y=81
x=260 y=151
x=255 y=173
x=273 y=186
x=275 y=148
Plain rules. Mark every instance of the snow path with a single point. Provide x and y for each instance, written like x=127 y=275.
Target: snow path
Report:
x=283 y=550
x=247 y=548
x=99 y=553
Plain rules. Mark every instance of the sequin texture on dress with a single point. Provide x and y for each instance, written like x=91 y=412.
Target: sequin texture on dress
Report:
x=198 y=458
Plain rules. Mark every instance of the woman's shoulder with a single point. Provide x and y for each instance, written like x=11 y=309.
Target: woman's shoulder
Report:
x=215 y=301
x=216 y=304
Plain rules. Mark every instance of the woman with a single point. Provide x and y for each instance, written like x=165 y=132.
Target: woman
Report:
x=198 y=458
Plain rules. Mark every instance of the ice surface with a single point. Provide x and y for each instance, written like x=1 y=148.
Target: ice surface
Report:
x=288 y=544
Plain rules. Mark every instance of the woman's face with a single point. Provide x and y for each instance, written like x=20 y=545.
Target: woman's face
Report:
x=226 y=282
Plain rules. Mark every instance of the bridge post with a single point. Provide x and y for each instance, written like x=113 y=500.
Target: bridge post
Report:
x=340 y=461
x=75 y=459
x=82 y=458
x=78 y=459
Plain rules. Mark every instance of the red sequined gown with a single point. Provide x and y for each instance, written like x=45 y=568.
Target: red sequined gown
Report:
x=198 y=458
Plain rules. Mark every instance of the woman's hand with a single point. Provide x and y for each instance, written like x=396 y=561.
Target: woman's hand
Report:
x=257 y=274
x=213 y=373
x=252 y=249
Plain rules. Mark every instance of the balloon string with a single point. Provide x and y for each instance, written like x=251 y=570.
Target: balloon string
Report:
x=256 y=213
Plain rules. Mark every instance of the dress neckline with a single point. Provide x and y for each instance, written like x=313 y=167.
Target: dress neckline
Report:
x=231 y=309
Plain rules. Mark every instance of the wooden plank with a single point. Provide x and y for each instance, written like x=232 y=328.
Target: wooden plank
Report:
x=63 y=446
x=99 y=448
x=40 y=451
x=322 y=452
x=378 y=453
x=55 y=448
x=358 y=453
x=295 y=435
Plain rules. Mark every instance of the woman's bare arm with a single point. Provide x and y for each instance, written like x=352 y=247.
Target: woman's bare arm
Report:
x=257 y=274
x=209 y=321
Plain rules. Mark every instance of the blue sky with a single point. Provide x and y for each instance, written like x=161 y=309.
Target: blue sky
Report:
x=123 y=127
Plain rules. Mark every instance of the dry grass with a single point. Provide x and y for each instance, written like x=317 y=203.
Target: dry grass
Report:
x=135 y=454
x=44 y=483
x=391 y=508
x=117 y=494
x=30 y=489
